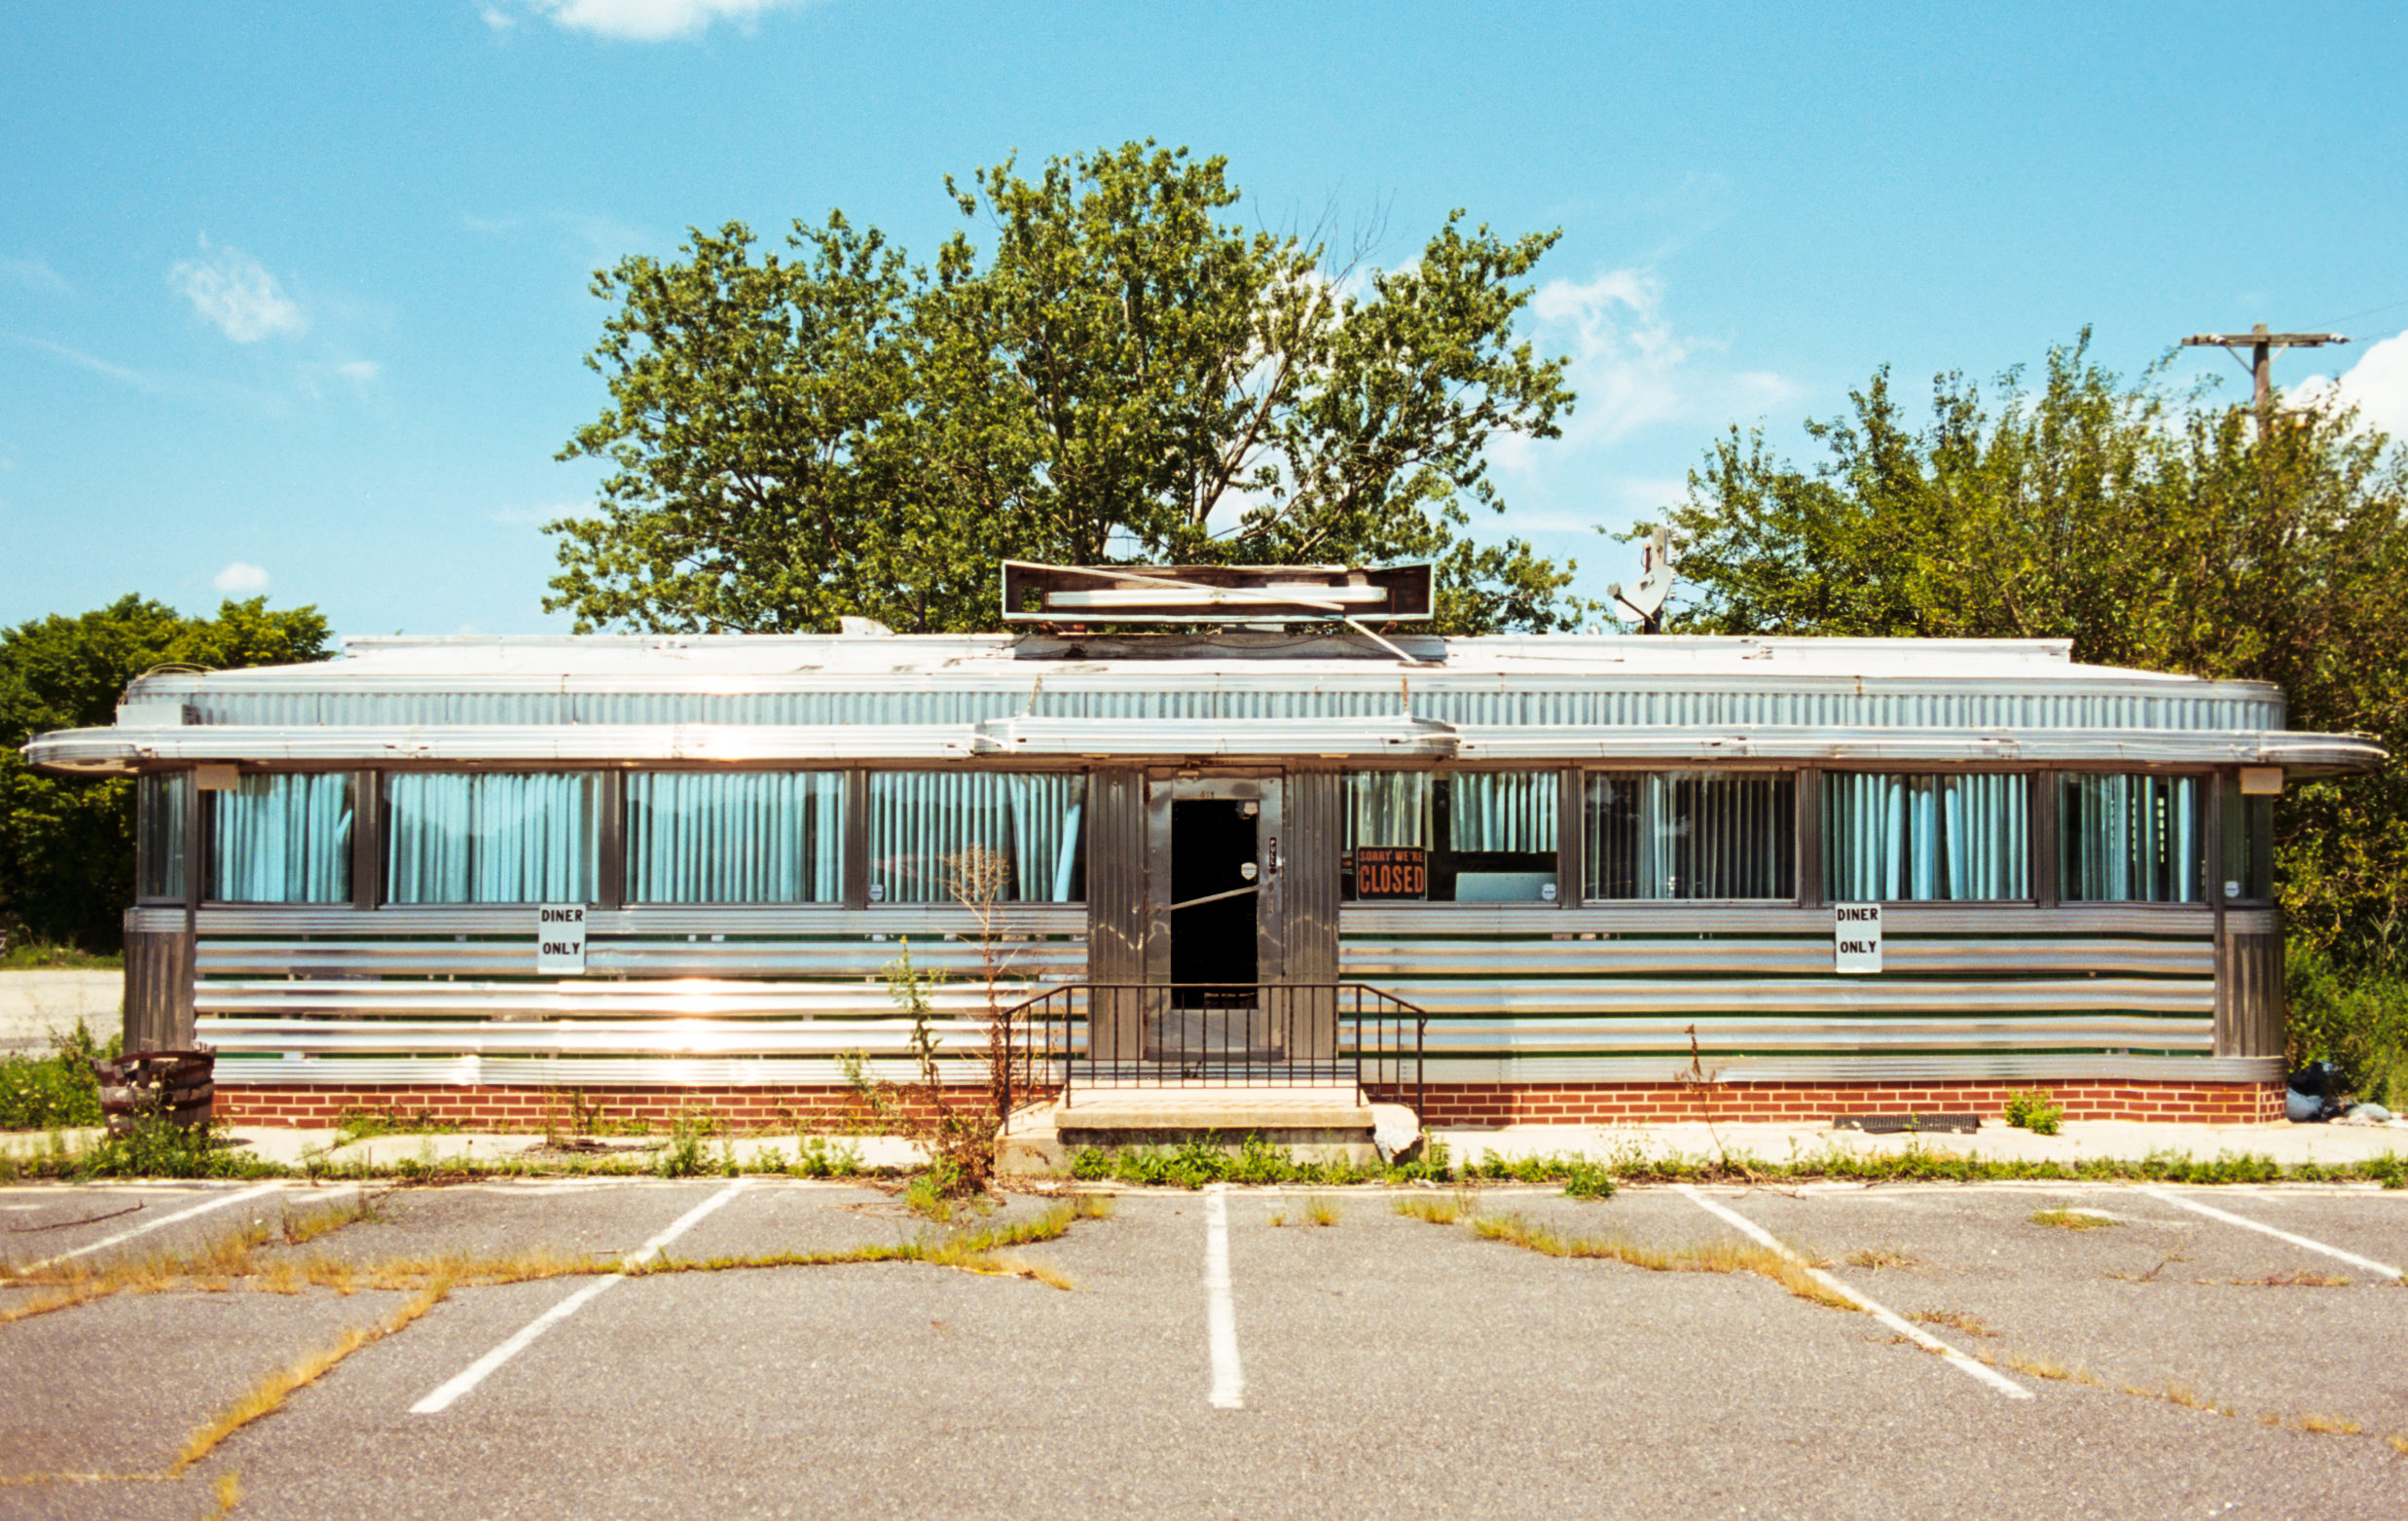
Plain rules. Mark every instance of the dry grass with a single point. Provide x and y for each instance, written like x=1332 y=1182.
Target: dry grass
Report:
x=1880 y=1258
x=267 y=1395
x=2073 y=1219
x=2051 y=1368
x=1435 y=1209
x=2297 y=1278
x=1954 y=1319
x=228 y=1492
x=1278 y=1217
x=307 y=1226
x=1713 y=1256
x=2329 y=1425
x=2399 y=1443
x=1321 y=1210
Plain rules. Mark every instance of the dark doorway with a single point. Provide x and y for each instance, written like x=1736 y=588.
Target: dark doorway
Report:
x=1215 y=875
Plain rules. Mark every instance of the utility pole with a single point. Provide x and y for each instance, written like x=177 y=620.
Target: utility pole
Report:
x=2262 y=344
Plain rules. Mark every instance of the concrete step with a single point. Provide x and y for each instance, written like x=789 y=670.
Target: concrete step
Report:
x=1208 y=1108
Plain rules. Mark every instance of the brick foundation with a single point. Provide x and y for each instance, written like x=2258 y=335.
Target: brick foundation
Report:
x=526 y=1108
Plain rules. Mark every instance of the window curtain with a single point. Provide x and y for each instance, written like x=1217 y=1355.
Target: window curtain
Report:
x=923 y=824
x=283 y=839
x=1387 y=808
x=1502 y=811
x=735 y=837
x=1891 y=837
x=488 y=837
x=159 y=834
x=1691 y=834
x=2130 y=837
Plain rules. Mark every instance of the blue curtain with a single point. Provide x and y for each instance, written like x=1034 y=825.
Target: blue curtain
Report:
x=925 y=827
x=2131 y=838
x=1893 y=837
x=736 y=837
x=488 y=837
x=1502 y=811
x=1691 y=834
x=1388 y=808
x=282 y=839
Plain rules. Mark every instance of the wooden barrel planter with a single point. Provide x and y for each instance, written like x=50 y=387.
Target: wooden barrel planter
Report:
x=180 y=1085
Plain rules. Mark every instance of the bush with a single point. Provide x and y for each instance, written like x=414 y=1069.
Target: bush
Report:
x=2357 y=1021
x=55 y=1091
x=2032 y=1111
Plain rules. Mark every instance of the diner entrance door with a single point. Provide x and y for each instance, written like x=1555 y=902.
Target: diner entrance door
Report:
x=1214 y=887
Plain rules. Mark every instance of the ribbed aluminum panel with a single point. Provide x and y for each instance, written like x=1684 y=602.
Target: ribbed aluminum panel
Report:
x=2007 y=1066
x=1380 y=961
x=1857 y=996
x=1753 y=918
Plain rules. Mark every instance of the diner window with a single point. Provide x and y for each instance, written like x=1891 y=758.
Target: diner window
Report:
x=2248 y=845
x=159 y=845
x=933 y=833
x=1691 y=834
x=488 y=837
x=736 y=837
x=1466 y=837
x=281 y=839
x=2131 y=838
x=1894 y=837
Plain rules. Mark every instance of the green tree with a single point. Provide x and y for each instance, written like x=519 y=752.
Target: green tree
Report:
x=66 y=844
x=1121 y=376
x=2152 y=530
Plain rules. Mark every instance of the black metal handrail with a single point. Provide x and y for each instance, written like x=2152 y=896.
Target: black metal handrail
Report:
x=1215 y=1035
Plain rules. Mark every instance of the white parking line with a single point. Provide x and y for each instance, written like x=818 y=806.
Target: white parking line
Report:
x=204 y=1208
x=1220 y=1312
x=2385 y=1269
x=1887 y=1317
x=476 y=1372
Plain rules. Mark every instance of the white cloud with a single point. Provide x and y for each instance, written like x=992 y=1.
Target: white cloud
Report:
x=641 y=21
x=241 y=579
x=236 y=292
x=96 y=365
x=33 y=273
x=2377 y=385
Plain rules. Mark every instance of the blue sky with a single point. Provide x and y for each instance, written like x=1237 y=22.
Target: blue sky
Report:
x=293 y=298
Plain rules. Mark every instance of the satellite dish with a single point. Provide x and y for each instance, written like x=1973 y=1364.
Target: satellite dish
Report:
x=1646 y=600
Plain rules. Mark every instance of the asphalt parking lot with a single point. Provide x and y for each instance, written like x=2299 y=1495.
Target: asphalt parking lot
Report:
x=2132 y=1352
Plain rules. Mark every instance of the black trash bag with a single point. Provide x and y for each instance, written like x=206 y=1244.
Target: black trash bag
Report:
x=2318 y=1079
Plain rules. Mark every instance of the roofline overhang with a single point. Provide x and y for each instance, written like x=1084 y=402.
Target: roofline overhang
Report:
x=125 y=750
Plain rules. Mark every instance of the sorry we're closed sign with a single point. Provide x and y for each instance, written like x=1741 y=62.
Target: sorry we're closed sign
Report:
x=1392 y=871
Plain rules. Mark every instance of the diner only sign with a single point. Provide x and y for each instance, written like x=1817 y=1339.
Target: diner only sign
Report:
x=1856 y=937
x=1392 y=871
x=560 y=939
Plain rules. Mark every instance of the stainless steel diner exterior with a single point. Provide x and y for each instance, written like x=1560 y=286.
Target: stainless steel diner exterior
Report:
x=1627 y=851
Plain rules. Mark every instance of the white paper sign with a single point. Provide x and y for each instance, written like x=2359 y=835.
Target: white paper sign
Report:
x=560 y=939
x=1856 y=937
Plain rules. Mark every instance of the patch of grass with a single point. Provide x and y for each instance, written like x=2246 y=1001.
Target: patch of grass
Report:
x=228 y=1492
x=2072 y=1220
x=300 y=1229
x=2296 y=1277
x=1321 y=1209
x=1713 y=1256
x=267 y=1397
x=1278 y=1217
x=2051 y=1368
x=367 y=1123
x=1954 y=1319
x=1435 y=1209
x=40 y=955
x=1880 y=1258
x=2034 y=1111
x=55 y=1091
x=1587 y=1180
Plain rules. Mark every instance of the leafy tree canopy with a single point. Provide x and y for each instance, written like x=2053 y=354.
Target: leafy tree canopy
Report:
x=66 y=846
x=1117 y=376
x=2152 y=530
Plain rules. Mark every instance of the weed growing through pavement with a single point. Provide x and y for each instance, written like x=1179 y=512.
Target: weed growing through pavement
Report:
x=2297 y=1278
x=1437 y=1209
x=2073 y=1219
x=228 y=1491
x=307 y=1226
x=1880 y=1258
x=1954 y=1319
x=1716 y=1257
x=1321 y=1209
x=2033 y=1111
x=1278 y=1217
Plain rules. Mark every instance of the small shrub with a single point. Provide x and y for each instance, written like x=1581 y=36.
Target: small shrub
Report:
x=2033 y=1111
x=1587 y=1180
x=815 y=1157
x=684 y=1155
x=55 y=1091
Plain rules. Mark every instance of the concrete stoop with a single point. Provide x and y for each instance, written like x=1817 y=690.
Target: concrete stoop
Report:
x=1326 y=1124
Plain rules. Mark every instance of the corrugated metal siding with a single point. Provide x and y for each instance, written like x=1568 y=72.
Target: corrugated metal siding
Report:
x=1651 y=702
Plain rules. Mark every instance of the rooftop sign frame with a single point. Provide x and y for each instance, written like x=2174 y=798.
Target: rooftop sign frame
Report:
x=1216 y=593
